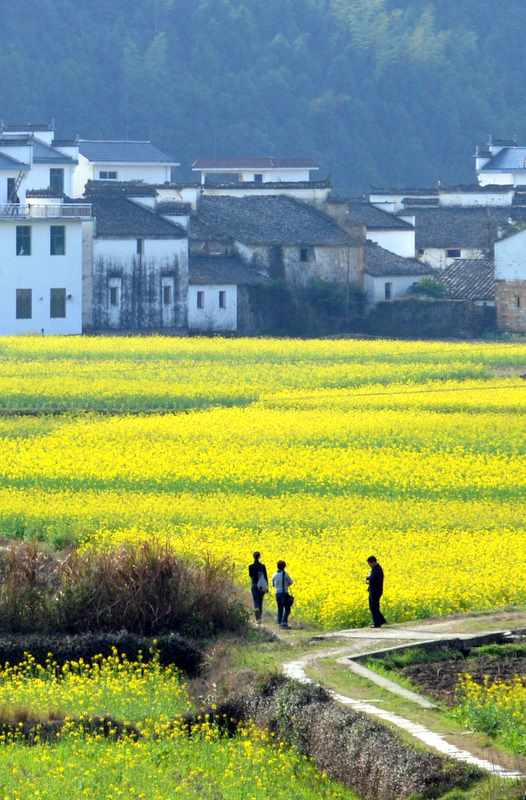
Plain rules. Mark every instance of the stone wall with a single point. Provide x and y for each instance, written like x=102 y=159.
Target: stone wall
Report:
x=511 y=306
x=430 y=319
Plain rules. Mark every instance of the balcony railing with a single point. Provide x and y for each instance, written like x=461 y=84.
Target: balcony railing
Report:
x=37 y=211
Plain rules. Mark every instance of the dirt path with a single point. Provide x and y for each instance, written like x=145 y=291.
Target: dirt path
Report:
x=356 y=643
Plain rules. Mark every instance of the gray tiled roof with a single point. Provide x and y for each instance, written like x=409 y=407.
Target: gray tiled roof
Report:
x=380 y=262
x=275 y=220
x=120 y=152
x=456 y=226
x=220 y=184
x=44 y=154
x=361 y=212
x=223 y=270
x=126 y=188
x=510 y=158
x=6 y=162
x=469 y=279
x=174 y=208
x=117 y=215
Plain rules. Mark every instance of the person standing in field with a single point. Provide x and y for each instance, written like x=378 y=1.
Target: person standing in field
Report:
x=281 y=581
x=375 y=580
x=259 y=584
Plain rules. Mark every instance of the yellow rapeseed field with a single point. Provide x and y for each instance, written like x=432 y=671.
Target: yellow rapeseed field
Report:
x=320 y=452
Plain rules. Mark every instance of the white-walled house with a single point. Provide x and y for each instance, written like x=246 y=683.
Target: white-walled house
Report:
x=445 y=234
x=389 y=276
x=219 y=294
x=31 y=159
x=137 y=276
x=121 y=160
x=510 y=281
x=41 y=265
x=256 y=170
x=501 y=162
x=381 y=227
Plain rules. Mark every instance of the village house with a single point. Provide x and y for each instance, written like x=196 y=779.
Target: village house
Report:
x=41 y=264
x=510 y=281
x=389 y=276
x=30 y=158
x=385 y=229
x=136 y=277
x=121 y=160
x=291 y=240
x=255 y=170
x=445 y=234
x=220 y=298
x=501 y=162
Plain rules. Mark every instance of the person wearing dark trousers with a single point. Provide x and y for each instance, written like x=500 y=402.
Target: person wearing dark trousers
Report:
x=281 y=581
x=375 y=580
x=259 y=584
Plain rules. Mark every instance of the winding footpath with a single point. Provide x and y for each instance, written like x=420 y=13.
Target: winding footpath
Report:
x=356 y=644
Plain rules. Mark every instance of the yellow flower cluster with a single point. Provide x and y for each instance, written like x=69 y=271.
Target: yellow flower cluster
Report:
x=136 y=692
x=495 y=707
x=317 y=452
x=165 y=762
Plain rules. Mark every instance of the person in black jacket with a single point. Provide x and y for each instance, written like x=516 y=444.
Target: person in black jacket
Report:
x=259 y=584
x=375 y=580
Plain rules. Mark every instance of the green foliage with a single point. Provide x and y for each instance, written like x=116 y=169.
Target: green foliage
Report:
x=429 y=288
x=381 y=91
x=415 y=655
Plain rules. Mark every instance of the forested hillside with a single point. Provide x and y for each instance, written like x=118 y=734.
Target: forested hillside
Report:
x=381 y=91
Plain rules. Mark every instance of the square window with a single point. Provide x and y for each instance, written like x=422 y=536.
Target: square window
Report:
x=56 y=180
x=167 y=295
x=23 y=240
x=258 y=178
x=222 y=299
x=24 y=303
x=57 y=303
x=57 y=240
x=453 y=252
x=200 y=299
x=388 y=291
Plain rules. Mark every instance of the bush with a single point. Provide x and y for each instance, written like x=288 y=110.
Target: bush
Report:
x=146 y=590
x=429 y=288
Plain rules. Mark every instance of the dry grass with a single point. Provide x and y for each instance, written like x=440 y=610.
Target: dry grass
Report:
x=145 y=589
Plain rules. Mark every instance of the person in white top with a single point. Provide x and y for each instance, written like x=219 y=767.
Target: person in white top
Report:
x=281 y=581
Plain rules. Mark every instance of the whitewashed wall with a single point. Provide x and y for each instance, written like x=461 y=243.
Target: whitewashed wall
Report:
x=212 y=318
x=39 y=178
x=140 y=283
x=179 y=194
x=401 y=242
x=40 y=272
x=502 y=178
x=510 y=258
x=269 y=175
x=437 y=257
x=89 y=171
x=472 y=199
x=314 y=195
x=375 y=286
